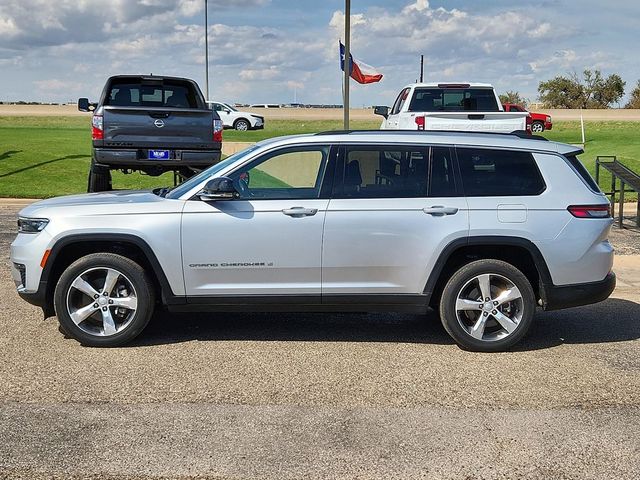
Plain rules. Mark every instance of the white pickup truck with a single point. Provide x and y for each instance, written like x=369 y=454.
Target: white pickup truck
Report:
x=450 y=106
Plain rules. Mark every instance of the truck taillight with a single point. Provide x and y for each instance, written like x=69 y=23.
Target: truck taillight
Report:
x=420 y=123
x=97 y=130
x=217 y=130
x=589 y=211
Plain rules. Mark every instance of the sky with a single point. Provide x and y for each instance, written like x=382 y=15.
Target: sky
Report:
x=276 y=51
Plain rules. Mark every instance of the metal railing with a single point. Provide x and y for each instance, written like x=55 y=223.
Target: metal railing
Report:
x=626 y=177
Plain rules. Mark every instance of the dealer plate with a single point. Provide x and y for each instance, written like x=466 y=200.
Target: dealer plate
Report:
x=159 y=155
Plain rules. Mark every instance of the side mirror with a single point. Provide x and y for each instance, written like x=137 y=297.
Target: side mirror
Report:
x=381 y=110
x=83 y=104
x=220 y=188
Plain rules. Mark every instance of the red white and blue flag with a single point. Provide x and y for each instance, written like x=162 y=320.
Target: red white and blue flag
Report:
x=360 y=71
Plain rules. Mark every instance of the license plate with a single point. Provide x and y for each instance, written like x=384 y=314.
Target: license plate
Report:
x=158 y=155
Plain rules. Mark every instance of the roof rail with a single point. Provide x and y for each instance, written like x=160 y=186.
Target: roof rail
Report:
x=516 y=133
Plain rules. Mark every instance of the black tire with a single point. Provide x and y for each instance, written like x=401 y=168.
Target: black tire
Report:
x=131 y=275
x=537 y=127
x=242 y=125
x=99 y=179
x=459 y=323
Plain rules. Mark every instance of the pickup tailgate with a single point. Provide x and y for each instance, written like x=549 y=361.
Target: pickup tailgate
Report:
x=158 y=127
x=505 y=122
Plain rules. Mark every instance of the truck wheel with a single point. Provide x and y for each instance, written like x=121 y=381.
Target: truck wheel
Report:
x=104 y=300
x=241 y=125
x=537 y=127
x=99 y=179
x=487 y=306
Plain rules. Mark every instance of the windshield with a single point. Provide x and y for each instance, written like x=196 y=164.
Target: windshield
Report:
x=183 y=188
x=230 y=107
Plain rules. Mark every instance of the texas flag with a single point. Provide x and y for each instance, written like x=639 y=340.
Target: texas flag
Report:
x=360 y=71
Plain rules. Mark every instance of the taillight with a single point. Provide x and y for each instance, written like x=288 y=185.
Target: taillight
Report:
x=97 y=130
x=217 y=130
x=420 y=123
x=589 y=211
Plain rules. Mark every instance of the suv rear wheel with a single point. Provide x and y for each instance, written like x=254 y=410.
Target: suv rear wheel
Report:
x=487 y=306
x=104 y=300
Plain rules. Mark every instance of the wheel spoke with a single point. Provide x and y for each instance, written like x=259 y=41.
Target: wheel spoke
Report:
x=108 y=324
x=508 y=295
x=484 y=281
x=82 y=314
x=506 y=323
x=130 y=303
x=110 y=281
x=477 y=331
x=464 y=304
x=84 y=286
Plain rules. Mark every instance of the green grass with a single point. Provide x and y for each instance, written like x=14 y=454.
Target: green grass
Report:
x=49 y=156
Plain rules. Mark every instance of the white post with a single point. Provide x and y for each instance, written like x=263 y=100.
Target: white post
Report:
x=206 y=50
x=582 y=128
x=347 y=60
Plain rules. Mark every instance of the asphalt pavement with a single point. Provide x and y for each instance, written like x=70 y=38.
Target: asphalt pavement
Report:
x=320 y=396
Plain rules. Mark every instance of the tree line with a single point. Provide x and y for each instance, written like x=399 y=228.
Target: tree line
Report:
x=591 y=90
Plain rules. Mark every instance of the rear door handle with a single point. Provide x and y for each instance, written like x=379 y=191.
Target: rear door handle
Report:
x=440 y=210
x=300 y=212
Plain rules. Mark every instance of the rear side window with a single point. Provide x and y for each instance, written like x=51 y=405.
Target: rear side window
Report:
x=433 y=99
x=171 y=94
x=582 y=171
x=499 y=173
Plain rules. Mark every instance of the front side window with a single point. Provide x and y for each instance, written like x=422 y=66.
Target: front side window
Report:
x=499 y=173
x=384 y=172
x=286 y=174
x=399 y=103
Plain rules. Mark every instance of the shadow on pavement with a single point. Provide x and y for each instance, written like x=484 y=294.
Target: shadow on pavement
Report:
x=613 y=320
x=36 y=165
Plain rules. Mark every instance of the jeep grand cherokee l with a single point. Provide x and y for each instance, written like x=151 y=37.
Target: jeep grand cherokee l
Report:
x=483 y=227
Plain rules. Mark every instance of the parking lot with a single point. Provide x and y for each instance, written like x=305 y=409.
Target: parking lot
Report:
x=329 y=396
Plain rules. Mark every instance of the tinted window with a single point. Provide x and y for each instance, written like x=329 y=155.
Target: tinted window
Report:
x=384 y=172
x=131 y=93
x=499 y=173
x=432 y=99
x=582 y=171
x=441 y=173
x=290 y=173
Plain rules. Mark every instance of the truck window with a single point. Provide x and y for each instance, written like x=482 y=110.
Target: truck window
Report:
x=400 y=101
x=434 y=99
x=132 y=93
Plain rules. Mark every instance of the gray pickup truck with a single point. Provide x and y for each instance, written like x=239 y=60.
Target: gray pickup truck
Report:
x=153 y=125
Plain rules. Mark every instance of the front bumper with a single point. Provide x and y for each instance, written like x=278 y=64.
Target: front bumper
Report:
x=567 y=296
x=137 y=158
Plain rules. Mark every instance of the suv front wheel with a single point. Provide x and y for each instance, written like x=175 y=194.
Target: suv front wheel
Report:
x=104 y=300
x=487 y=306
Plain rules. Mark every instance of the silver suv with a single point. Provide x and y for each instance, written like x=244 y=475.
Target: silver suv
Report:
x=483 y=227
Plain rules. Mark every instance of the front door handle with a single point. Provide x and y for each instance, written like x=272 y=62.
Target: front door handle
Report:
x=300 y=212
x=440 y=210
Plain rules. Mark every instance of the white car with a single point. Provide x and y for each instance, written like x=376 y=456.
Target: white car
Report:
x=234 y=118
x=470 y=107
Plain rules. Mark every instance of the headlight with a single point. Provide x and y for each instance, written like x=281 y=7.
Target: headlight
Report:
x=548 y=119
x=31 y=225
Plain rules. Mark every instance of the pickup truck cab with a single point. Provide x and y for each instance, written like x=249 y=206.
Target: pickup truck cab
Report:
x=539 y=121
x=450 y=106
x=153 y=125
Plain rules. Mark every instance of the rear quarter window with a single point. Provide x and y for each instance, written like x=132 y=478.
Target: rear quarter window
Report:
x=578 y=166
x=499 y=173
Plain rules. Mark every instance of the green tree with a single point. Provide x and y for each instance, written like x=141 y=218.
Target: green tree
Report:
x=513 y=97
x=634 y=101
x=591 y=91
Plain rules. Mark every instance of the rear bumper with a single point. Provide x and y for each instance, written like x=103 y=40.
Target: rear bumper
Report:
x=138 y=157
x=567 y=296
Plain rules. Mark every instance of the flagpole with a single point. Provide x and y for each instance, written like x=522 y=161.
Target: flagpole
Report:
x=206 y=50
x=347 y=61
